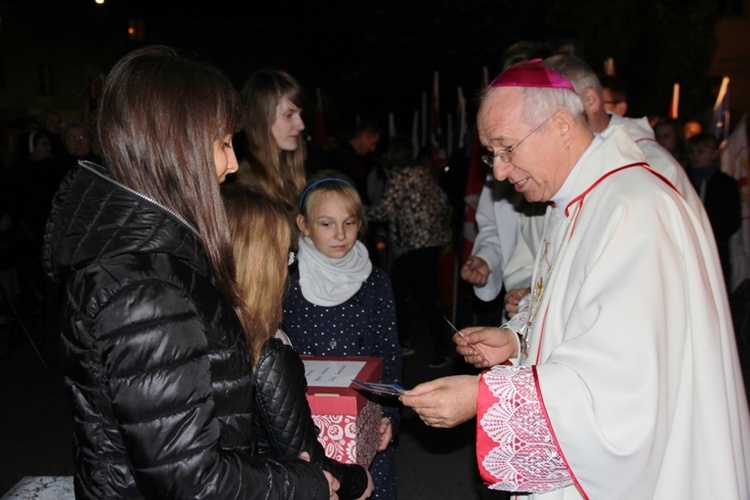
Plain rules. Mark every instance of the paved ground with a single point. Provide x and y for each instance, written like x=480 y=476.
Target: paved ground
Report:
x=35 y=421
x=35 y=425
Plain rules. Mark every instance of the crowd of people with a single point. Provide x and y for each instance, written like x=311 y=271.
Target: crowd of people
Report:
x=201 y=249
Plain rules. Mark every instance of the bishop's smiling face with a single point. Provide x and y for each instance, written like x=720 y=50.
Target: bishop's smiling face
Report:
x=533 y=168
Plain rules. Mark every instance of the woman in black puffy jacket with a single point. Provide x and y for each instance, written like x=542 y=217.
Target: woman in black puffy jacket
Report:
x=154 y=352
x=261 y=231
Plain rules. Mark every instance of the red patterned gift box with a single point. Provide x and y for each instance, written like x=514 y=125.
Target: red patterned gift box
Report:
x=348 y=419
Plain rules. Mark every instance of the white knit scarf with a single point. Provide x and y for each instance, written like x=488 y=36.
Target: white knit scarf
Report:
x=329 y=282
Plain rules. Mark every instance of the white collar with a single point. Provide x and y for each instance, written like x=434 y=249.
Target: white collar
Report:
x=564 y=194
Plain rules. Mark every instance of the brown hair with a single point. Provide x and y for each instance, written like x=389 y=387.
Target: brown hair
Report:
x=280 y=174
x=261 y=230
x=159 y=117
x=705 y=139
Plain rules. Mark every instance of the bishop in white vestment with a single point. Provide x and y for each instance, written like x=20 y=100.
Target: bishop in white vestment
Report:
x=626 y=383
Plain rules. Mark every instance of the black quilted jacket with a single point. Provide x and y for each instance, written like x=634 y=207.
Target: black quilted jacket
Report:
x=284 y=423
x=155 y=360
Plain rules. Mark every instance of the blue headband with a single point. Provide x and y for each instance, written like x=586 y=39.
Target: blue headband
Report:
x=321 y=181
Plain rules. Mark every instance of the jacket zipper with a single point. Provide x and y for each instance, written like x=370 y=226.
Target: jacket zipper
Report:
x=87 y=165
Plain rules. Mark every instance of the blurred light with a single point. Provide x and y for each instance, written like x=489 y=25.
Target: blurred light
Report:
x=99 y=2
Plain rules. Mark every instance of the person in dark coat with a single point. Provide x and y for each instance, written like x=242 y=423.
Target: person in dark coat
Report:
x=155 y=356
x=33 y=182
x=351 y=157
x=718 y=191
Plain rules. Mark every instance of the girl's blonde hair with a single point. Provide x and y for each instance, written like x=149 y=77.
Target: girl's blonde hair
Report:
x=261 y=231
x=332 y=181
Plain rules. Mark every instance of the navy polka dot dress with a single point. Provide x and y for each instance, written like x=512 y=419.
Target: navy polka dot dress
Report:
x=364 y=325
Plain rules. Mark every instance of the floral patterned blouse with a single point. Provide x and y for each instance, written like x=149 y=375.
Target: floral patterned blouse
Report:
x=415 y=208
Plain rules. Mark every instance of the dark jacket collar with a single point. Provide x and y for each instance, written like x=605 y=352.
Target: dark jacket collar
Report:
x=94 y=218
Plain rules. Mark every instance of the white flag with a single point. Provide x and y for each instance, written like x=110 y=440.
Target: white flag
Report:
x=734 y=162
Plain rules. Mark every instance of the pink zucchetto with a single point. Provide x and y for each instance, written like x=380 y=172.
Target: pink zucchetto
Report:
x=531 y=74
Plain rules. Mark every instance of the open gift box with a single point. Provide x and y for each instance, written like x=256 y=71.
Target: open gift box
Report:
x=348 y=419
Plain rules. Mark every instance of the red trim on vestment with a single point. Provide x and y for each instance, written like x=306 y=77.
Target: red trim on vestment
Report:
x=580 y=198
x=600 y=179
x=669 y=183
x=544 y=318
x=651 y=139
x=552 y=433
x=575 y=222
x=485 y=444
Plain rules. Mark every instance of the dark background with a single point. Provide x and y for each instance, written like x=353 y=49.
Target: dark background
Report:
x=373 y=57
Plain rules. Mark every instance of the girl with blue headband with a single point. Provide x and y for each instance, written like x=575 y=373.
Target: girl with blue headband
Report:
x=339 y=304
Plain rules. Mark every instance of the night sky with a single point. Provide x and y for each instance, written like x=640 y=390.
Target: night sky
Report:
x=370 y=57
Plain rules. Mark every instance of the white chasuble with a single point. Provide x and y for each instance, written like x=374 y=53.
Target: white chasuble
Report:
x=635 y=389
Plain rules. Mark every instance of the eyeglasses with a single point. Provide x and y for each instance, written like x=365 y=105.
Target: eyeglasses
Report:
x=506 y=154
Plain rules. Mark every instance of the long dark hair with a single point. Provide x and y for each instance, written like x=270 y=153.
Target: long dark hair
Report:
x=159 y=117
x=280 y=174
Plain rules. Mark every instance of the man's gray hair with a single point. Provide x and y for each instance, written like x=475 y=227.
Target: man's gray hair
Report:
x=540 y=104
x=576 y=71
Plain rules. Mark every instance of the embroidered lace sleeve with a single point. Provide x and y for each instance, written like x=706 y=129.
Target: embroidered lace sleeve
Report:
x=518 y=322
x=515 y=447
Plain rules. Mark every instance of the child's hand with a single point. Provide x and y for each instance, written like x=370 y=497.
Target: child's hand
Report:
x=386 y=433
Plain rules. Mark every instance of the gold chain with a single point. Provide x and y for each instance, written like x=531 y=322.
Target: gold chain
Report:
x=539 y=287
